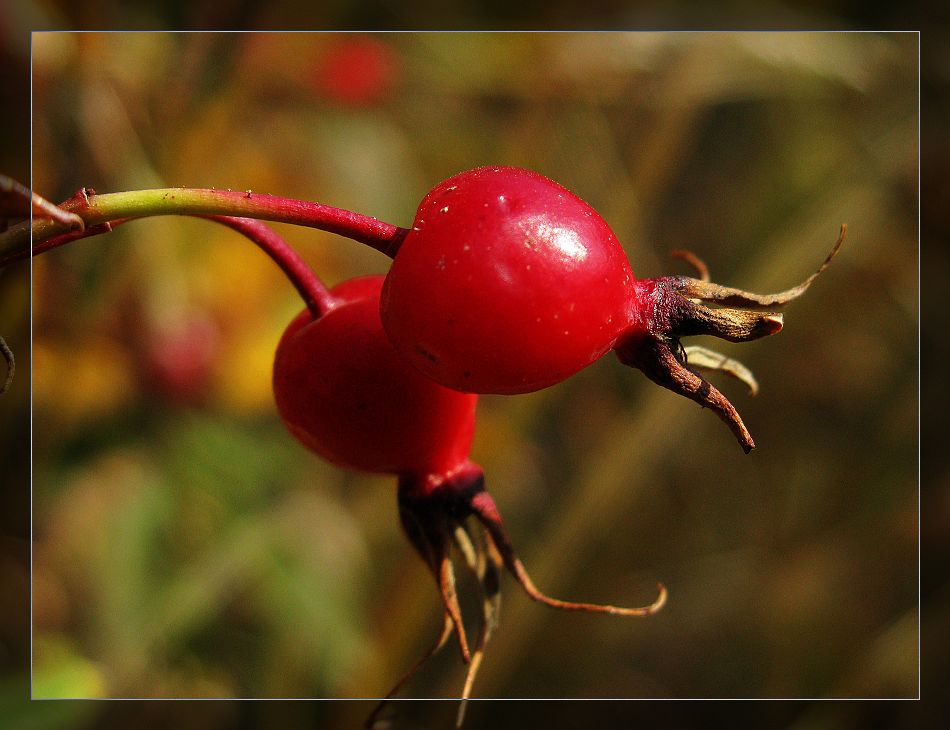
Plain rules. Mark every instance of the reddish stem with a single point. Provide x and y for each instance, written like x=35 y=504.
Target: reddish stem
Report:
x=315 y=295
x=95 y=209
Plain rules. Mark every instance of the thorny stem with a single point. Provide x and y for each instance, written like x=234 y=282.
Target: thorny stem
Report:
x=62 y=239
x=95 y=209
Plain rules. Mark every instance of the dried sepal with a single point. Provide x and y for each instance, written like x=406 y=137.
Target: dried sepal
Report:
x=702 y=358
x=707 y=291
x=685 y=307
x=436 y=525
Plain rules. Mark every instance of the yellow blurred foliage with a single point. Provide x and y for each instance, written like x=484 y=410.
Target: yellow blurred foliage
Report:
x=75 y=385
x=242 y=378
x=60 y=671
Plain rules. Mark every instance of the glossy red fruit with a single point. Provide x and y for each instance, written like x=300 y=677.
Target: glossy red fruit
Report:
x=507 y=283
x=343 y=392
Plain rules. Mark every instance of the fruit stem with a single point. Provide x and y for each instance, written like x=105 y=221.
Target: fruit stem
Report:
x=93 y=209
x=315 y=295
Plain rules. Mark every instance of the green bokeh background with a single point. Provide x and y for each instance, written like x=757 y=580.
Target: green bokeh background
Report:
x=188 y=547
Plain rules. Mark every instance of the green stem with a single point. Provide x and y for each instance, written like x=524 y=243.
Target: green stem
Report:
x=98 y=209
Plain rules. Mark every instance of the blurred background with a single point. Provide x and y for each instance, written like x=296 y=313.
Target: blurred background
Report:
x=185 y=546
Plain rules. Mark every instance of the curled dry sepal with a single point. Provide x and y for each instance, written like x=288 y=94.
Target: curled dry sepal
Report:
x=685 y=306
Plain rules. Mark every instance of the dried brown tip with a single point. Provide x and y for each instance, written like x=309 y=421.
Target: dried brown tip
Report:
x=431 y=542
x=487 y=513
x=464 y=544
x=524 y=579
x=702 y=271
x=450 y=600
x=728 y=296
x=702 y=358
x=683 y=307
x=657 y=360
x=485 y=566
x=734 y=325
x=374 y=722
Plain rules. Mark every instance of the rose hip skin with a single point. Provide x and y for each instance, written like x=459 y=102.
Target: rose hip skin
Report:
x=342 y=393
x=507 y=283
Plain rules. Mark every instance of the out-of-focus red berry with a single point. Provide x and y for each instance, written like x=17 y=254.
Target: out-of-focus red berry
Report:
x=177 y=364
x=356 y=70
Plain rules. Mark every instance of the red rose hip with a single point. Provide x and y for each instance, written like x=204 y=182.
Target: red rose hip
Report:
x=507 y=283
x=342 y=393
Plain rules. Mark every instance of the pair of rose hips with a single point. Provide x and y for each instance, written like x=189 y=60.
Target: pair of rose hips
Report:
x=506 y=283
